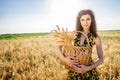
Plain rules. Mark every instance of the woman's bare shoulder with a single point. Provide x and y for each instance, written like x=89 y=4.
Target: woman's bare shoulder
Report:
x=97 y=39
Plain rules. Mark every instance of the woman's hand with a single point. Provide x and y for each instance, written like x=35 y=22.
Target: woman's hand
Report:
x=82 y=69
x=69 y=61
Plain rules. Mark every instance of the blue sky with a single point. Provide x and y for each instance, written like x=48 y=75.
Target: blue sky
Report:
x=32 y=16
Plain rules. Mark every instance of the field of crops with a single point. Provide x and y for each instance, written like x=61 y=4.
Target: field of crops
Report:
x=35 y=58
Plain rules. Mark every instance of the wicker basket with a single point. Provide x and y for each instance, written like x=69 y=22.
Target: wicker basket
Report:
x=81 y=53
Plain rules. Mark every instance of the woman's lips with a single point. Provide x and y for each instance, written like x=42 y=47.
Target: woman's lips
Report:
x=85 y=25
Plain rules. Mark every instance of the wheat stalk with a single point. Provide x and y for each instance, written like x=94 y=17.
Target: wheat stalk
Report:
x=63 y=36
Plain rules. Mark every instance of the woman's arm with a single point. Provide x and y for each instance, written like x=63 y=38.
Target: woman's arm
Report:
x=59 y=50
x=99 y=53
x=69 y=61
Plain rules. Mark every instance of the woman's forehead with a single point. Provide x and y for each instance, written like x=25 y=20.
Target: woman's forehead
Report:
x=85 y=16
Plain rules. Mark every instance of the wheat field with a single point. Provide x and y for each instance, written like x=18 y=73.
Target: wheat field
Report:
x=35 y=58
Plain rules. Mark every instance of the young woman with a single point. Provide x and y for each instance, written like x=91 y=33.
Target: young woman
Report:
x=86 y=23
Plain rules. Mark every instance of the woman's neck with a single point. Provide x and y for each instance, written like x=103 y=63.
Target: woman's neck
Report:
x=86 y=31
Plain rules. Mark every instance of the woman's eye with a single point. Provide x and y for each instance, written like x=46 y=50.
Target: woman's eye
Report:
x=88 y=18
x=82 y=19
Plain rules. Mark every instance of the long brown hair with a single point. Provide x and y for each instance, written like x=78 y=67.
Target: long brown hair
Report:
x=93 y=27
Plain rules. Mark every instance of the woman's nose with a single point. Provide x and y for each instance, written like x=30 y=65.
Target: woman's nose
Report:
x=85 y=21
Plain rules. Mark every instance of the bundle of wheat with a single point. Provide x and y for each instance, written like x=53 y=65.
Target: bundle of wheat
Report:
x=65 y=38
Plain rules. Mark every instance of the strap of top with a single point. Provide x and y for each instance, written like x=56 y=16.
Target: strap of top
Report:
x=85 y=37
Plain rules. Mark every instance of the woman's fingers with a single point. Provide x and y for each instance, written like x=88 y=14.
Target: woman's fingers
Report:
x=68 y=61
x=76 y=63
x=71 y=61
x=71 y=57
x=84 y=68
x=79 y=70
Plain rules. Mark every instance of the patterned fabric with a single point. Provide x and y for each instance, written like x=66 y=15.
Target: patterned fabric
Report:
x=90 y=75
x=90 y=38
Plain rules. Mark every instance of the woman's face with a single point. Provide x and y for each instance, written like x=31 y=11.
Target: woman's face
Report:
x=85 y=21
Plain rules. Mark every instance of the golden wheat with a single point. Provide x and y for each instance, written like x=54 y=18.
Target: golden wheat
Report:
x=36 y=59
x=62 y=36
